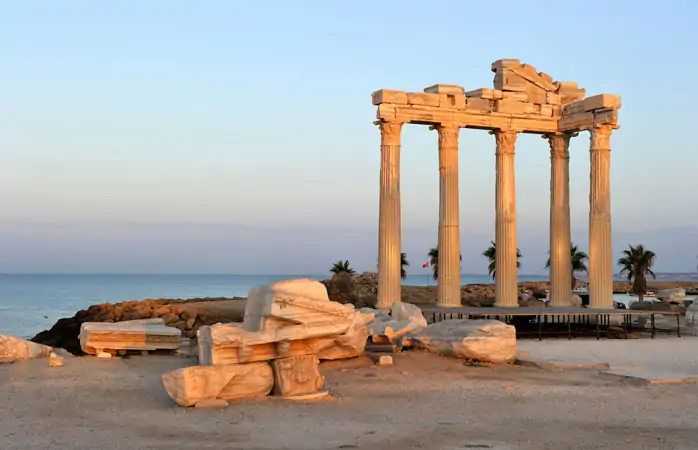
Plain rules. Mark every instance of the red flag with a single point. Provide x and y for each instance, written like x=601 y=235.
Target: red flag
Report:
x=425 y=265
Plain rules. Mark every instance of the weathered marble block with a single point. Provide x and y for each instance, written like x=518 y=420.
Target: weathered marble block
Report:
x=295 y=309
x=347 y=345
x=296 y=376
x=480 y=340
x=15 y=349
x=190 y=385
x=147 y=334
x=230 y=344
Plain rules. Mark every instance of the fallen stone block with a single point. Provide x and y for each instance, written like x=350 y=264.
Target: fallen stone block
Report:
x=296 y=309
x=191 y=385
x=297 y=376
x=347 y=345
x=405 y=320
x=230 y=344
x=148 y=334
x=15 y=349
x=406 y=311
x=385 y=360
x=392 y=331
x=480 y=340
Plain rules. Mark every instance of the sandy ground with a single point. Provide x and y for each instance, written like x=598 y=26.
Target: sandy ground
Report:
x=423 y=401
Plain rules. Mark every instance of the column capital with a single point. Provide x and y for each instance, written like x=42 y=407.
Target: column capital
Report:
x=390 y=132
x=600 y=138
x=506 y=141
x=559 y=144
x=448 y=135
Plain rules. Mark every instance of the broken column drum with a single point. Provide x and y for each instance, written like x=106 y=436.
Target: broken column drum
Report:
x=523 y=100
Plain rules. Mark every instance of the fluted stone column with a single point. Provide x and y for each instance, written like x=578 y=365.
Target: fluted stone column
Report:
x=506 y=278
x=389 y=228
x=600 y=246
x=560 y=239
x=449 y=221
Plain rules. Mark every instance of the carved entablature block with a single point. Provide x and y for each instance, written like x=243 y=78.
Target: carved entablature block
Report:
x=522 y=99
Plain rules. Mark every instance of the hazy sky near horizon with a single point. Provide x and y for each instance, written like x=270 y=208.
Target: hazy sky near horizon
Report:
x=226 y=136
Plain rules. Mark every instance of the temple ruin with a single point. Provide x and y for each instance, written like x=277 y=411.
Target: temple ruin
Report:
x=522 y=100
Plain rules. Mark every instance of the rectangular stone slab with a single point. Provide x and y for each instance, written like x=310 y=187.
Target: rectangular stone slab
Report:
x=129 y=335
x=229 y=344
x=190 y=385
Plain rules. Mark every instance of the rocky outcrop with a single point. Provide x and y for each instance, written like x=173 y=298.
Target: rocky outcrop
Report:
x=185 y=315
x=480 y=340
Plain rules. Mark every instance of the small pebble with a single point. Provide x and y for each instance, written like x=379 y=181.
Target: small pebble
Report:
x=104 y=355
x=385 y=360
x=55 y=360
x=211 y=403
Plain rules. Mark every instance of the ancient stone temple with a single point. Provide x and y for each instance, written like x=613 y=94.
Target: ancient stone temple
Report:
x=522 y=100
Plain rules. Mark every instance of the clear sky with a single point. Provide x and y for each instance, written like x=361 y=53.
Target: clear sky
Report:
x=237 y=137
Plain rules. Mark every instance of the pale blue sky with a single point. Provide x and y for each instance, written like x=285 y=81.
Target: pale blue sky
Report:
x=225 y=136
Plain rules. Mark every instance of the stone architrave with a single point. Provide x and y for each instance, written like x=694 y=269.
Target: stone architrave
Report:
x=449 y=221
x=600 y=245
x=190 y=385
x=297 y=376
x=15 y=349
x=389 y=217
x=560 y=235
x=149 y=334
x=506 y=278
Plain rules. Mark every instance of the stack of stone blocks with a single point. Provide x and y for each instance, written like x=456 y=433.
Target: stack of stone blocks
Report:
x=288 y=327
x=519 y=90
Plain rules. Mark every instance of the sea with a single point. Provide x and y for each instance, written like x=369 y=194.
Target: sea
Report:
x=32 y=303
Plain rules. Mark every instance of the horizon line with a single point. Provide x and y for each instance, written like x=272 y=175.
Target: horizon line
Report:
x=175 y=274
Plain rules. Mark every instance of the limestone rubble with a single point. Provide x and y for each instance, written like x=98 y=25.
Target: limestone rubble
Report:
x=284 y=319
x=14 y=349
x=289 y=324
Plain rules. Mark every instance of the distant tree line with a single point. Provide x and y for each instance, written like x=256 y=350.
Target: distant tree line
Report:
x=635 y=263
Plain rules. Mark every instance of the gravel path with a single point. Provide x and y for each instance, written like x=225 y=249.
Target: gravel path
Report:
x=423 y=401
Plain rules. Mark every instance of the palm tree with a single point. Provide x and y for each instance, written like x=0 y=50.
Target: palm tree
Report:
x=637 y=263
x=434 y=261
x=403 y=263
x=342 y=266
x=491 y=255
x=578 y=264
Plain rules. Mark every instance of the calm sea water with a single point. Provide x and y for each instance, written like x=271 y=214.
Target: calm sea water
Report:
x=31 y=303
